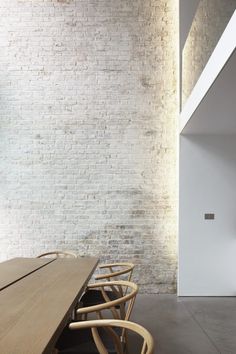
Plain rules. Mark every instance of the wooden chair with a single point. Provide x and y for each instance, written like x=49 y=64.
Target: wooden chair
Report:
x=115 y=271
x=58 y=254
x=119 y=309
x=147 y=347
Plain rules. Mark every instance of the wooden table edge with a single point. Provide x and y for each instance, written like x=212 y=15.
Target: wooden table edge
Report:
x=68 y=315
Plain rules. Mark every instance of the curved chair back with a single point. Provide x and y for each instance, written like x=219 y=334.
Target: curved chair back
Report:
x=147 y=346
x=116 y=270
x=120 y=308
x=58 y=254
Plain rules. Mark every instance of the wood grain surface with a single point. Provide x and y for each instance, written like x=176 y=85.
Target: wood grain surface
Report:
x=17 y=268
x=35 y=309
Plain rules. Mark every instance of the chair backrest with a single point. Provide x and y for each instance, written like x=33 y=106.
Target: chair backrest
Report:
x=58 y=254
x=120 y=308
x=147 y=345
x=116 y=270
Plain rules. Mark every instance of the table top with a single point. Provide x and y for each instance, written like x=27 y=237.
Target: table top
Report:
x=35 y=309
x=17 y=268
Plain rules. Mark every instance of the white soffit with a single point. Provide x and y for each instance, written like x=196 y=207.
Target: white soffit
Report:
x=216 y=114
x=216 y=62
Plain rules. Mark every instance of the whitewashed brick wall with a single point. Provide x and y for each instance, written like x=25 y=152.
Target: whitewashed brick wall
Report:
x=88 y=109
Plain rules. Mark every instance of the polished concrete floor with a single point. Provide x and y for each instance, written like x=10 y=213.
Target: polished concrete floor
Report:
x=188 y=325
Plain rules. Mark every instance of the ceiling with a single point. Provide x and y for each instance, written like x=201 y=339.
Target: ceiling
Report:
x=216 y=114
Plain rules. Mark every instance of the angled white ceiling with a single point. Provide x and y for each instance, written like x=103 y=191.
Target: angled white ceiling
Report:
x=216 y=114
x=211 y=107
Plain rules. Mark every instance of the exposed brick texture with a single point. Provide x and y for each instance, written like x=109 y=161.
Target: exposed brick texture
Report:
x=88 y=105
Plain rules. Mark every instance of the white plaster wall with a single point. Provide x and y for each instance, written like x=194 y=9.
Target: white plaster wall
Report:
x=207 y=248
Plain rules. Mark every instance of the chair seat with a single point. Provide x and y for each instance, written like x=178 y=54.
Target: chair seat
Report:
x=81 y=342
x=94 y=297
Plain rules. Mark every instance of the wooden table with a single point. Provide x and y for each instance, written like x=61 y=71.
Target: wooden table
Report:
x=17 y=268
x=35 y=308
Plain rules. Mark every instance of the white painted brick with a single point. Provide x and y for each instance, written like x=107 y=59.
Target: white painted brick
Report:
x=88 y=111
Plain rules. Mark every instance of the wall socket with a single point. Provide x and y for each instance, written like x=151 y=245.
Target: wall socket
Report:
x=209 y=216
